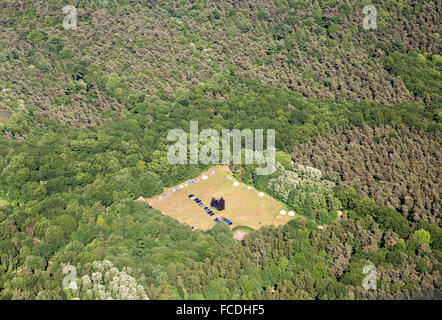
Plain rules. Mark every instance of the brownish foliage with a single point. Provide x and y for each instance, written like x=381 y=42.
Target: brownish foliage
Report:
x=397 y=168
x=160 y=47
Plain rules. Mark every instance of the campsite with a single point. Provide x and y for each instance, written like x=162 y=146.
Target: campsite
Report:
x=244 y=205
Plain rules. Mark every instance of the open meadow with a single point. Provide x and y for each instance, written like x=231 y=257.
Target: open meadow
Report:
x=243 y=205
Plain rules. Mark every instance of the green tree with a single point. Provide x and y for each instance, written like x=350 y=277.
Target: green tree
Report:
x=35 y=263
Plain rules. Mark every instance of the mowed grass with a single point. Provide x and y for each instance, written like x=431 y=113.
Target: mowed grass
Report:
x=243 y=206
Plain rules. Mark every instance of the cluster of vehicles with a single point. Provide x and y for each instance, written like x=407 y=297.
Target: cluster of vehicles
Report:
x=209 y=211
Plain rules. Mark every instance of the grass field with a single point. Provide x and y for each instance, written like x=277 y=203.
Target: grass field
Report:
x=243 y=206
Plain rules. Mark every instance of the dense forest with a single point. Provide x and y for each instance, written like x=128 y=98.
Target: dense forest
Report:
x=84 y=117
x=317 y=48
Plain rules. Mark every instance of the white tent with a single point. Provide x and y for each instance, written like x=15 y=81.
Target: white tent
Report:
x=181 y=186
x=261 y=194
x=236 y=183
x=282 y=212
x=250 y=188
x=204 y=177
x=291 y=213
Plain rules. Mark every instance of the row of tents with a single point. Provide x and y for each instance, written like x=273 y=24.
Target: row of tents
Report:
x=178 y=188
x=186 y=184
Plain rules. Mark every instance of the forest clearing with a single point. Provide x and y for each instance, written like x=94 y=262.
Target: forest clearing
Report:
x=243 y=205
